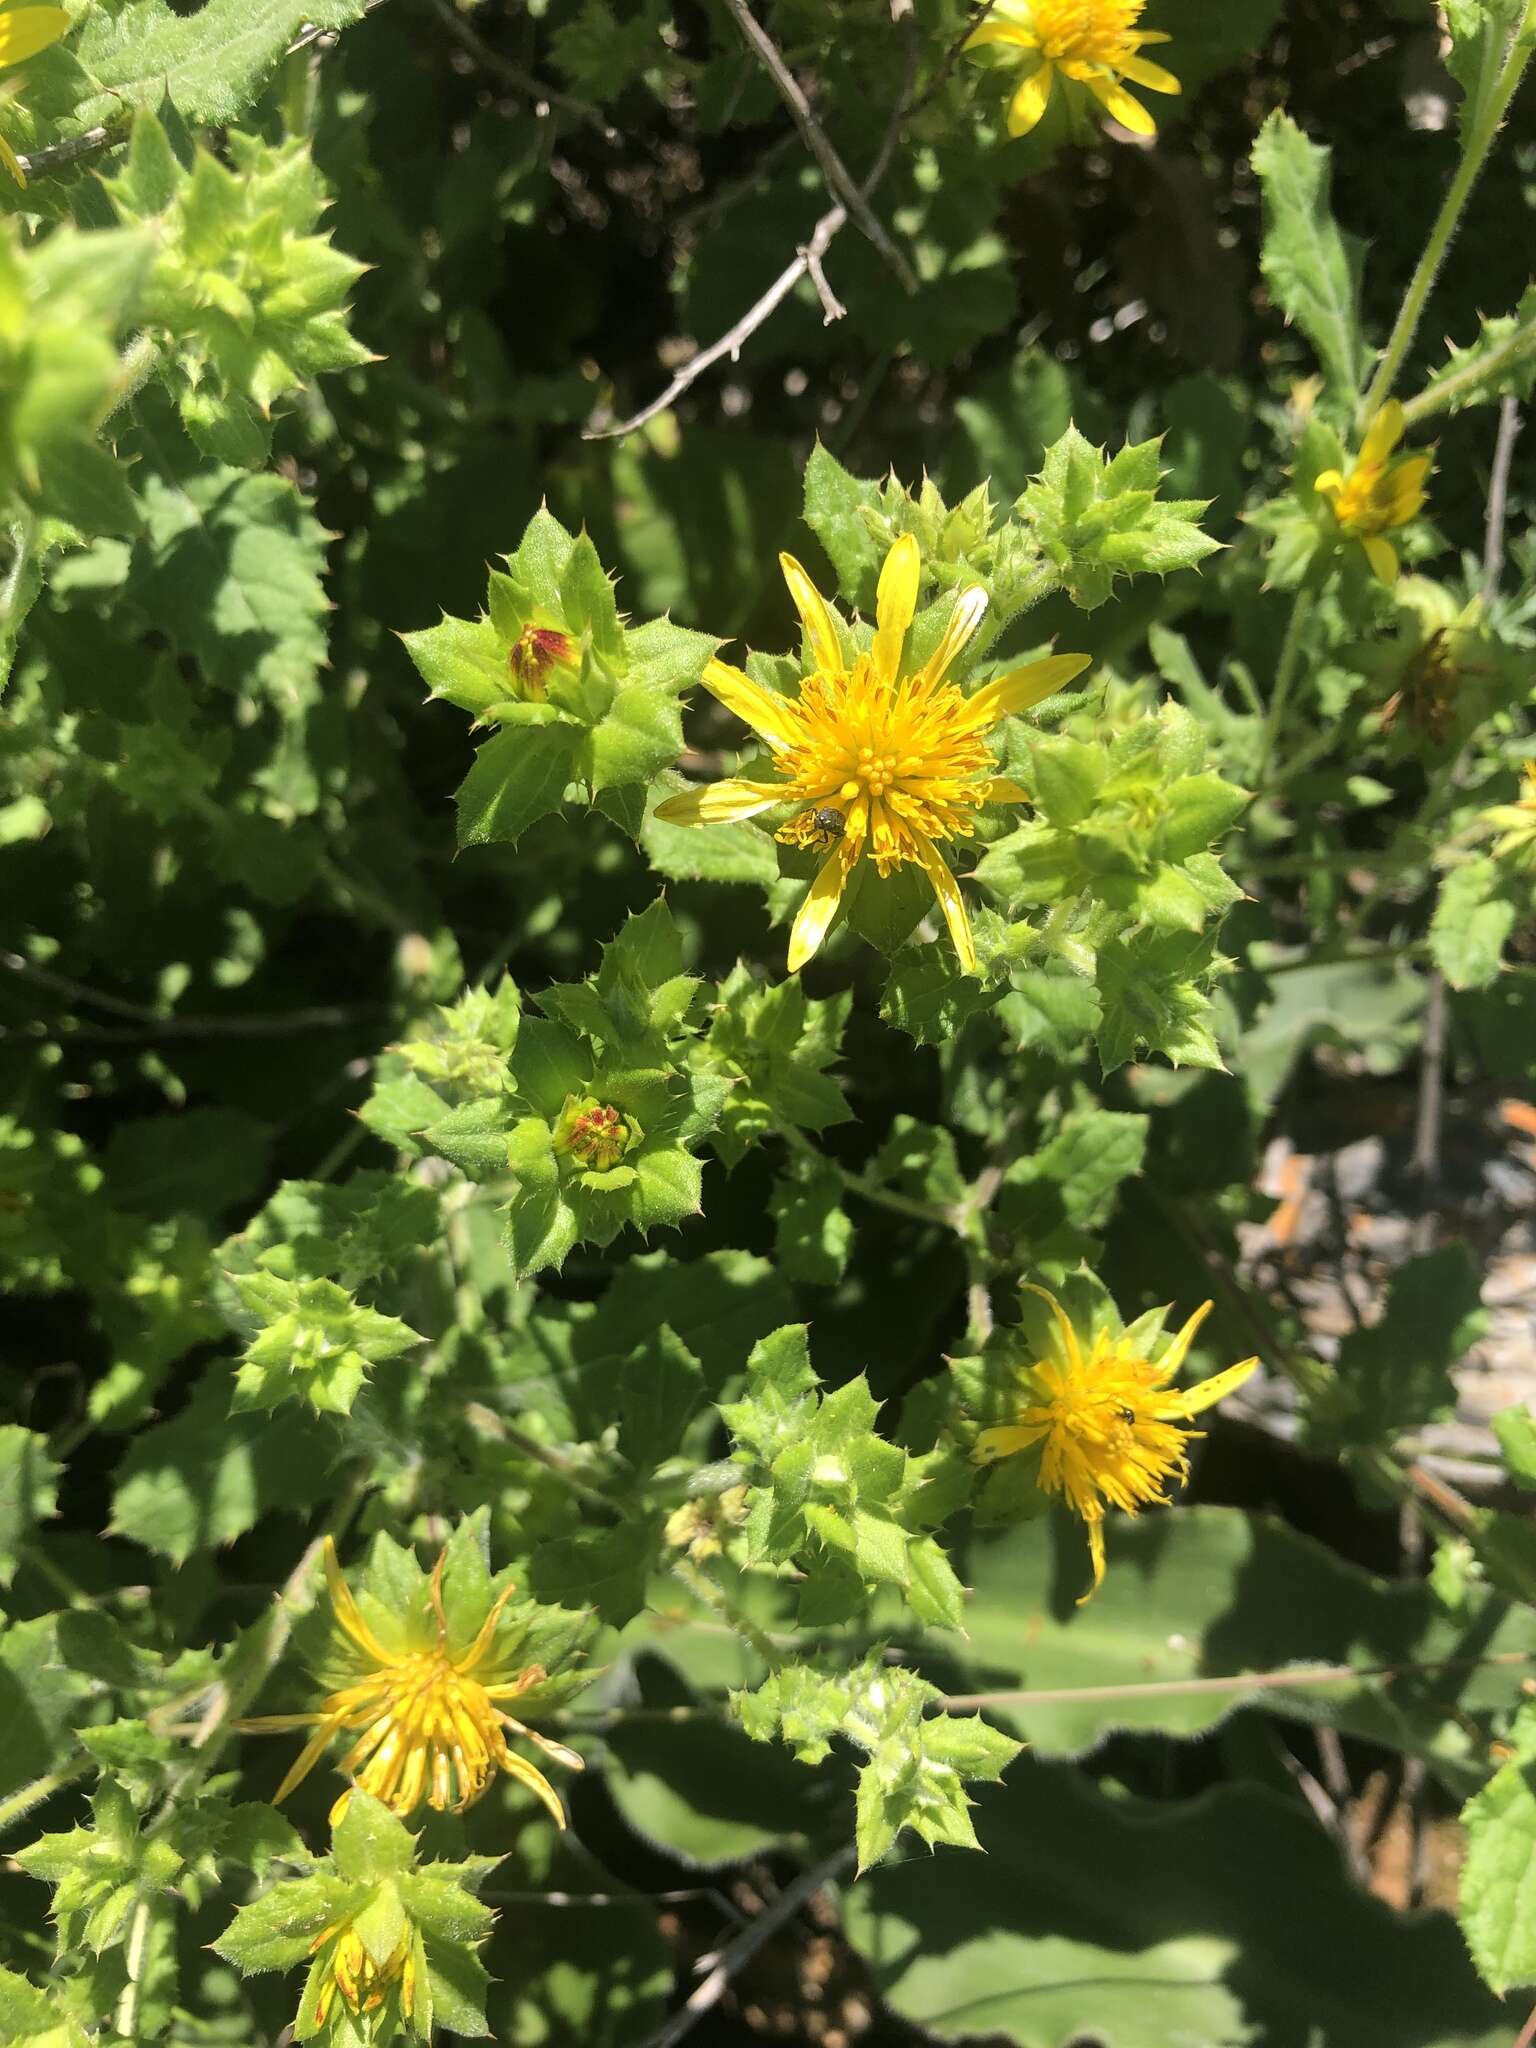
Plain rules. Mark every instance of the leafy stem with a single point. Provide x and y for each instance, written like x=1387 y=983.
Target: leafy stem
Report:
x=1495 y=91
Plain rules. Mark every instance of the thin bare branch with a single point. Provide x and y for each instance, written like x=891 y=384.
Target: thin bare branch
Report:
x=840 y=182
x=734 y=338
x=739 y=1951
x=1297 y=1677
x=811 y=254
x=514 y=76
x=1498 y=493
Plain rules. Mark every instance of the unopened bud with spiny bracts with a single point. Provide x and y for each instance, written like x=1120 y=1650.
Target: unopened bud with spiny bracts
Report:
x=364 y=1985
x=542 y=646
x=594 y=1133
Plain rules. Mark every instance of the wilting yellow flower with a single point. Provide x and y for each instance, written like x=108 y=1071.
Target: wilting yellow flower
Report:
x=23 y=32
x=882 y=760
x=1112 y=1428
x=429 y=1722
x=364 y=1985
x=1095 y=43
x=1379 y=494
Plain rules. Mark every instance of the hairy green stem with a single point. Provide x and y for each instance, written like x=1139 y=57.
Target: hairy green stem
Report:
x=21 y=1802
x=1477 y=140
x=1484 y=370
x=704 y=1589
x=1285 y=677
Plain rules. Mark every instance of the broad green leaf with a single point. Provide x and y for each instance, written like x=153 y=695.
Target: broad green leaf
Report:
x=1312 y=267
x=1498 y=1879
x=1223 y=1919
x=28 y=1492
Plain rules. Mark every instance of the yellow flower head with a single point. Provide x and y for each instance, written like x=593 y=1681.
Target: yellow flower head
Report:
x=1094 y=43
x=1516 y=823
x=363 y=1984
x=883 y=761
x=23 y=32
x=426 y=1714
x=1113 y=1430
x=1379 y=494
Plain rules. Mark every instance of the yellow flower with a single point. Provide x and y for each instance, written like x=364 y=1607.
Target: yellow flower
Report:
x=428 y=1723
x=1378 y=495
x=1516 y=823
x=883 y=760
x=1112 y=1429
x=364 y=1985
x=1095 y=43
x=23 y=32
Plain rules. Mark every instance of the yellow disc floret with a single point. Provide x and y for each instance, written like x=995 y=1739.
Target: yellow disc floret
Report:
x=880 y=760
x=1092 y=43
x=1112 y=1430
x=428 y=1724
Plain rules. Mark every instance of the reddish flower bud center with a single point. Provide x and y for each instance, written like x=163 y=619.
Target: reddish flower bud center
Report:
x=536 y=651
x=599 y=1137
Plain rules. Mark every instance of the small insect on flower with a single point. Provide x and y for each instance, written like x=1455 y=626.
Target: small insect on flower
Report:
x=1380 y=493
x=428 y=1716
x=1089 y=43
x=1111 y=1429
x=897 y=755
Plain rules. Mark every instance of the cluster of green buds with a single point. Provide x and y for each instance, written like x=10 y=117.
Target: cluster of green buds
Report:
x=309 y=1340
x=464 y=1049
x=247 y=301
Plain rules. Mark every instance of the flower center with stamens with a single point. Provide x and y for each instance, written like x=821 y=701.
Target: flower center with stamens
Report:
x=428 y=1728
x=1087 y=31
x=535 y=652
x=897 y=761
x=598 y=1136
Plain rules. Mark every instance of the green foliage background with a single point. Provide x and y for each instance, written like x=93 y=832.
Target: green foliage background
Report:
x=315 y=932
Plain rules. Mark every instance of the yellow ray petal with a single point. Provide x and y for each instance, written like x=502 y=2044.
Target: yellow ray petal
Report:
x=1095 y=1558
x=970 y=607
x=12 y=163
x=951 y=902
x=1030 y=100
x=814 y=918
x=1178 y=1350
x=1142 y=71
x=530 y=1775
x=1382 y=557
x=766 y=712
x=1006 y=1439
x=1216 y=1388
x=895 y=606
x=1063 y=1324
x=26 y=30
x=1383 y=434
x=1001 y=790
x=1014 y=32
x=815 y=616
x=1023 y=687
x=307 y=1758
x=1328 y=482
x=346 y=1610
x=718 y=803
x=1125 y=107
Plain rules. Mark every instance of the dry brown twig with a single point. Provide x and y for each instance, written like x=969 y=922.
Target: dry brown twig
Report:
x=840 y=182
x=807 y=262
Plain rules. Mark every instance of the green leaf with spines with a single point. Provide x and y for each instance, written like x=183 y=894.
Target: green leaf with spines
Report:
x=773 y=1044
x=309 y=1340
x=917 y=1765
x=1498 y=1878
